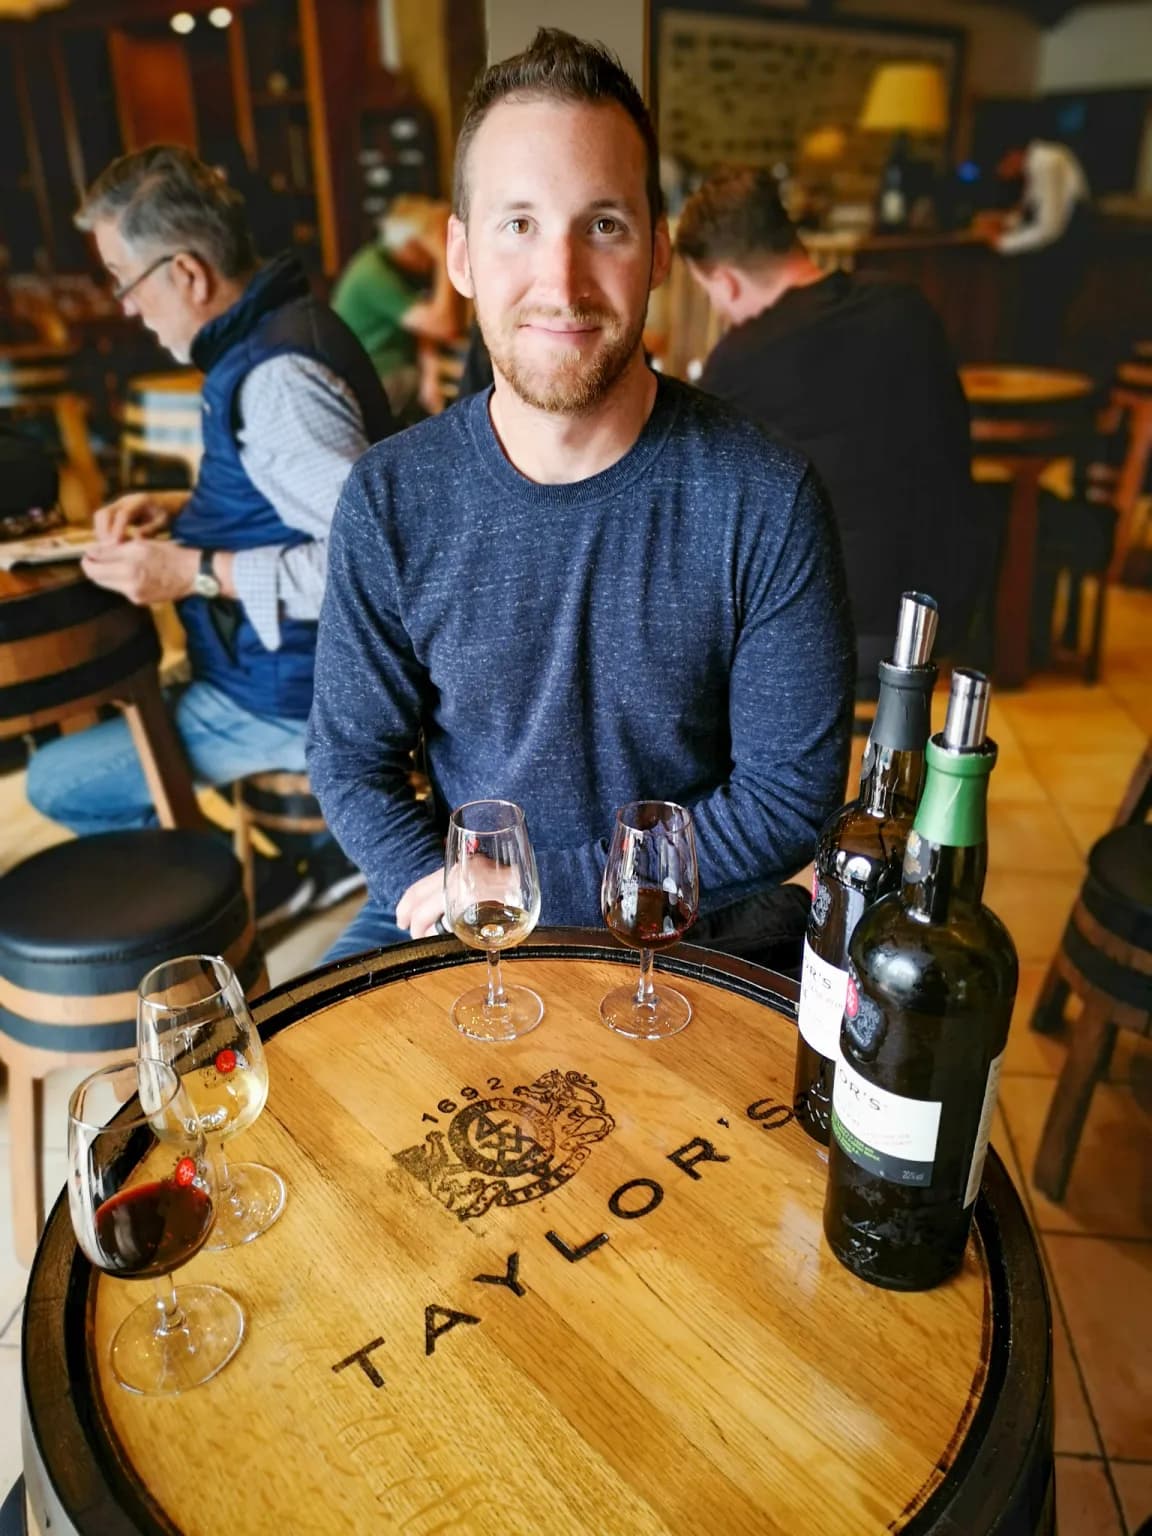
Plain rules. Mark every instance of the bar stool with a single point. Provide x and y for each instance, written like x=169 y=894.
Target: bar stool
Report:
x=161 y=422
x=1105 y=958
x=272 y=802
x=80 y=924
x=1133 y=392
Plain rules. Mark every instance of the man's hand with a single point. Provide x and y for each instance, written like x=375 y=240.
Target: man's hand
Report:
x=141 y=515
x=422 y=905
x=145 y=572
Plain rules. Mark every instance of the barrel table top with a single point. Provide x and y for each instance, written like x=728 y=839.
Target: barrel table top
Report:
x=575 y=1283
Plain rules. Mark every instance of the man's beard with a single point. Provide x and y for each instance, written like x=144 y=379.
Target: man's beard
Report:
x=569 y=383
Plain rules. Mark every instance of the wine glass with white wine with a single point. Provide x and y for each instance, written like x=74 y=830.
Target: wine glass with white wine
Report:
x=192 y=1014
x=492 y=902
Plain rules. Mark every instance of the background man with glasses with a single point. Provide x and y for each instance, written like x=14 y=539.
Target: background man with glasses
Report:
x=588 y=585
x=290 y=401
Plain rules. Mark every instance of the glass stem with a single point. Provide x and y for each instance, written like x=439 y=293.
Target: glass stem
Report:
x=645 y=991
x=171 y=1315
x=497 y=997
x=221 y=1177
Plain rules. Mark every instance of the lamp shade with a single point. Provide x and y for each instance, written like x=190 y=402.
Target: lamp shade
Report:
x=909 y=98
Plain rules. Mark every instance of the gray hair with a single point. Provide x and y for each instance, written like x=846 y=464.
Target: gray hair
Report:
x=163 y=199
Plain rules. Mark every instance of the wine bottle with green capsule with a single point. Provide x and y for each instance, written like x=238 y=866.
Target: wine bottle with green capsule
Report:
x=932 y=980
x=860 y=852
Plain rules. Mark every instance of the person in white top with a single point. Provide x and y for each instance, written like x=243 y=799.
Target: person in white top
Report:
x=1046 y=240
x=1055 y=189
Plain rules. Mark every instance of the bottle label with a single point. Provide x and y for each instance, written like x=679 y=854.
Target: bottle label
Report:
x=884 y=1133
x=980 y=1150
x=823 y=988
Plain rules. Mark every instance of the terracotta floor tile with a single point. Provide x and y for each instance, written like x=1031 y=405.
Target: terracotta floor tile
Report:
x=1110 y=1190
x=1028 y=1053
x=1087 y=823
x=1133 y=1482
x=1088 y=721
x=1014 y=781
x=1034 y=906
x=1084 y=778
x=1085 y=1503
x=1105 y=1289
x=1032 y=837
x=1075 y=1431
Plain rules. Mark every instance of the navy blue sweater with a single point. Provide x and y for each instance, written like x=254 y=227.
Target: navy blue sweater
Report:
x=674 y=628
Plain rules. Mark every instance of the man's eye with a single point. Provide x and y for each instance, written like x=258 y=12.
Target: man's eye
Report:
x=517 y=226
x=607 y=226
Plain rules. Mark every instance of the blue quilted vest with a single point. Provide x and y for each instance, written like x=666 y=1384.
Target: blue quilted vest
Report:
x=275 y=314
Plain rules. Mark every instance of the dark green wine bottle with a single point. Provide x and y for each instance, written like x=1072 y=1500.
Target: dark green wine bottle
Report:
x=859 y=855
x=931 y=985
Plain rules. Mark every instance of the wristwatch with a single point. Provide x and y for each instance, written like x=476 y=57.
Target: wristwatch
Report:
x=206 y=583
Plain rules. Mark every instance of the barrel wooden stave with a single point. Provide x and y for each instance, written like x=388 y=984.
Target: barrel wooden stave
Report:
x=661 y=1390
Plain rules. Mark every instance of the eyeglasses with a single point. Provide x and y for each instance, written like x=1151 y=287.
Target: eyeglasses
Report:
x=122 y=290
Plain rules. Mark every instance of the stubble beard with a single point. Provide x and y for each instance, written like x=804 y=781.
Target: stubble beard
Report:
x=569 y=383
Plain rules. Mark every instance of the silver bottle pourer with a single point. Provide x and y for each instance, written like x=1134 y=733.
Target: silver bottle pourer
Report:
x=966 y=725
x=916 y=632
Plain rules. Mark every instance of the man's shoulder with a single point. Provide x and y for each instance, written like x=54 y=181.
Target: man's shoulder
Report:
x=730 y=447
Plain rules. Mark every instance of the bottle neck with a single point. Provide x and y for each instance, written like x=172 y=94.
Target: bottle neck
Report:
x=892 y=774
x=946 y=858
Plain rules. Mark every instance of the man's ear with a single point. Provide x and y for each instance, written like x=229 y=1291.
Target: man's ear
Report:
x=661 y=252
x=193 y=276
x=459 y=267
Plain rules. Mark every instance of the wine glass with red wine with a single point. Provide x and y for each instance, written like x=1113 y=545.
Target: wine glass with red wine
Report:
x=649 y=898
x=141 y=1197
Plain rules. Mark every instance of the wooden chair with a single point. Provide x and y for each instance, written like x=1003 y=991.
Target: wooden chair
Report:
x=161 y=423
x=1133 y=392
x=273 y=802
x=1105 y=958
x=80 y=924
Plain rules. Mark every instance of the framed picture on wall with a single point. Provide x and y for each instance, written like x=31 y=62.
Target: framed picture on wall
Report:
x=734 y=84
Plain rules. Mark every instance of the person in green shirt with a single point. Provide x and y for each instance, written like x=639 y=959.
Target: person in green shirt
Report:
x=395 y=295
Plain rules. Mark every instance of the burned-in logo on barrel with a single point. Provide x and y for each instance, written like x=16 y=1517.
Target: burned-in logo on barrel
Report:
x=507 y=1150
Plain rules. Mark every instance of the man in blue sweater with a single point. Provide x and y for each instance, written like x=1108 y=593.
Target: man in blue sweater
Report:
x=588 y=585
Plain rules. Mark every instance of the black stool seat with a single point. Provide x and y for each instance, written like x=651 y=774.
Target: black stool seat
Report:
x=1118 y=890
x=108 y=901
x=84 y=921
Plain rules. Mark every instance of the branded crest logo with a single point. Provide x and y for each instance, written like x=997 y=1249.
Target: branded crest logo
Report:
x=509 y=1150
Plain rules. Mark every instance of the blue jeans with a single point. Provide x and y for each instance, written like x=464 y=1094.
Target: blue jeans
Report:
x=371 y=928
x=93 y=781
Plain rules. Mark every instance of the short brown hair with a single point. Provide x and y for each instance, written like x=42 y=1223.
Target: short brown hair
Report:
x=555 y=64
x=736 y=216
x=163 y=197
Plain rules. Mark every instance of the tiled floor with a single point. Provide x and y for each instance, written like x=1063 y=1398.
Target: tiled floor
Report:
x=1066 y=753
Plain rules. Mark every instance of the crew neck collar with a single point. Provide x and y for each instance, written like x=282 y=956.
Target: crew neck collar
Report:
x=608 y=482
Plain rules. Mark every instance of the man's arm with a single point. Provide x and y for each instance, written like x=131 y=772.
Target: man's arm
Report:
x=1047 y=193
x=301 y=433
x=790 y=692
x=370 y=697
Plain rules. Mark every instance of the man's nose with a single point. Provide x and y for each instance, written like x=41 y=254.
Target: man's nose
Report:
x=564 y=275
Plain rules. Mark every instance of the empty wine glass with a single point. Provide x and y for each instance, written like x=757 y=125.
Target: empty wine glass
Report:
x=649 y=898
x=139 y=1213
x=192 y=1014
x=491 y=902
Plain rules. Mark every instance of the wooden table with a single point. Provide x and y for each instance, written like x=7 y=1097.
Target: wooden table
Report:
x=1022 y=419
x=66 y=648
x=572 y=1284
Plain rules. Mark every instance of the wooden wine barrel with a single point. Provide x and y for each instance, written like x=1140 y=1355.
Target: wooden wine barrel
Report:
x=575 y=1283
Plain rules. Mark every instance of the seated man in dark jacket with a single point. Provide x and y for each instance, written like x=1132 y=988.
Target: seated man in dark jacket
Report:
x=290 y=402
x=857 y=374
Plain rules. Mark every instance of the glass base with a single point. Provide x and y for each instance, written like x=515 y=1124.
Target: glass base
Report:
x=665 y=1013
x=520 y=1013
x=164 y=1364
x=256 y=1200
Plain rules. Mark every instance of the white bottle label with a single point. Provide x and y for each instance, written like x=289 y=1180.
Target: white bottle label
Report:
x=980 y=1150
x=823 y=988
x=890 y=1136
